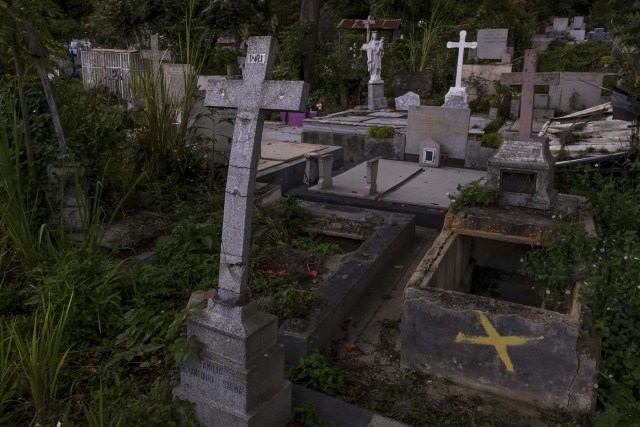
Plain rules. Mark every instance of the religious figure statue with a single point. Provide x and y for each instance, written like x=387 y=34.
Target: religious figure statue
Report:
x=375 y=51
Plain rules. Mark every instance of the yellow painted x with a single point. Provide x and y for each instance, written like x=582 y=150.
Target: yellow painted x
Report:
x=493 y=338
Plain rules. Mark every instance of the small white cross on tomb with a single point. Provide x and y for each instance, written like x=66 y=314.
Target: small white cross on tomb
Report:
x=461 y=46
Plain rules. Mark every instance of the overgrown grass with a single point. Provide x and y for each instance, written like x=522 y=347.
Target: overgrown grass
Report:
x=41 y=354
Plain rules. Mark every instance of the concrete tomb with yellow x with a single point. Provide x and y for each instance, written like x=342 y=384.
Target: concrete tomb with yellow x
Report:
x=493 y=338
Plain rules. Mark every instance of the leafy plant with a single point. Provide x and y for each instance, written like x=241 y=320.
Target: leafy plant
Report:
x=306 y=415
x=491 y=140
x=317 y=372
x=473 y=194
x=98 y=417
x=291 y=302
x=40 y=354
x=558 y=264
x=376 y=131
x=494 y=125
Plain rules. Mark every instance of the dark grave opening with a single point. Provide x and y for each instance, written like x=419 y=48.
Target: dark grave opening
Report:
x=505 y=286
x=490 y=268
x=518 y=182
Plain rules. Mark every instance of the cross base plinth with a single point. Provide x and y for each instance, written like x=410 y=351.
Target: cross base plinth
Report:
x=236 y=381
x=377 y=100
x=457 y=97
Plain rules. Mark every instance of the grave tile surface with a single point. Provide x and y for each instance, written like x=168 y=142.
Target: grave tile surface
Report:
x=430 y=188
x=386 y=121
x=352 y=183
x=387 y=114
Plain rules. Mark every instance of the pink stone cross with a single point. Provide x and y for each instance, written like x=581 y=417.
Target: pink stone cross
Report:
x=528 y=79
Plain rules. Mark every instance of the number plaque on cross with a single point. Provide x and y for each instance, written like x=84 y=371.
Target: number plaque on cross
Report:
x=250 y=96
x=528 y=79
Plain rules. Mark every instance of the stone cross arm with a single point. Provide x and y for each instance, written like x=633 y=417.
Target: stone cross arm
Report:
x=268 y=95
x=542 y=79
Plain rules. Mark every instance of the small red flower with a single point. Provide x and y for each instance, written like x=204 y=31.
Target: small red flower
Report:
x=350 y=346
x=313 y=273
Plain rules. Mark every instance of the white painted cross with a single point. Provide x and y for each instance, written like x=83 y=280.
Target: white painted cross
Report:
x=251 y=96
x=461 y=45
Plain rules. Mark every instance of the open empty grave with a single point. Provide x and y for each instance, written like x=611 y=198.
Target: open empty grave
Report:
x=472 y=317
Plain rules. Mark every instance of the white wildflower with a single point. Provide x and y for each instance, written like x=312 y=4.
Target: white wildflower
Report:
x=548 y=292
x=568 y=292
x=626 y=257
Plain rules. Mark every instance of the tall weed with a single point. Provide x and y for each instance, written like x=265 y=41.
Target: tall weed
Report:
x=41 y=355
x=7 y=364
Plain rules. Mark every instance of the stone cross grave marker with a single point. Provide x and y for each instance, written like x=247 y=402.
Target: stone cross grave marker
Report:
x=368 y=23
x=251 y=96
x=155 y=54
x=461 y=46
x=528 y=79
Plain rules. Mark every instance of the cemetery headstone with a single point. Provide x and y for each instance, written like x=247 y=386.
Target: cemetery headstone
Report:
x=577 y=23
x=492 y=43
x=375 y=52
x=576 y=91
x=238 y=379
x=411 y=81
x=448 y=127
x=528 y=79
x=560 y=25
x=407 y=100
x=457 y=96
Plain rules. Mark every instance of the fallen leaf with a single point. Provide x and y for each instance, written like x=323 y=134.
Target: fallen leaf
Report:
x=350 y=346
x=345 y=276
x=313 y=274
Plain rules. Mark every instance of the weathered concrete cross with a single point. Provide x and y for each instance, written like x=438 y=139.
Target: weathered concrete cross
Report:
x=251 y=96
x=368 y=23
x=155 y=54
x=461 y=45
x=528 y=79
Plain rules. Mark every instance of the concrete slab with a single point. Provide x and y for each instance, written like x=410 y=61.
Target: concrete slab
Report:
x=387 y=114
x=283 y=151
x=391 y=174
x=386 y=121
x=430 y=188
x=275 y=131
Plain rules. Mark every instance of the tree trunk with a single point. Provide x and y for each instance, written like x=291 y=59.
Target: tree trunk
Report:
x=24 y=108
x=35 y=49
x=309 y=16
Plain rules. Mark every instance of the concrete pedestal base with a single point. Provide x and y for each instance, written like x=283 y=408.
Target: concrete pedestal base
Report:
x=457 y=97
x=238 y=379
x=377 y=100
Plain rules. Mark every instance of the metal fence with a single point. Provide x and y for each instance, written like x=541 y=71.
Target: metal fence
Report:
x=110 y=68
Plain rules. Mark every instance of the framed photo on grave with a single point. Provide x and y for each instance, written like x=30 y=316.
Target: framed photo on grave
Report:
x=430 y=153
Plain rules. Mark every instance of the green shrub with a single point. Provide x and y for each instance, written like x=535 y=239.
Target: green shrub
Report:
x=491 y=140
x=376 y=131
x=494 y=125
x=318 y=372
x=473 y=194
